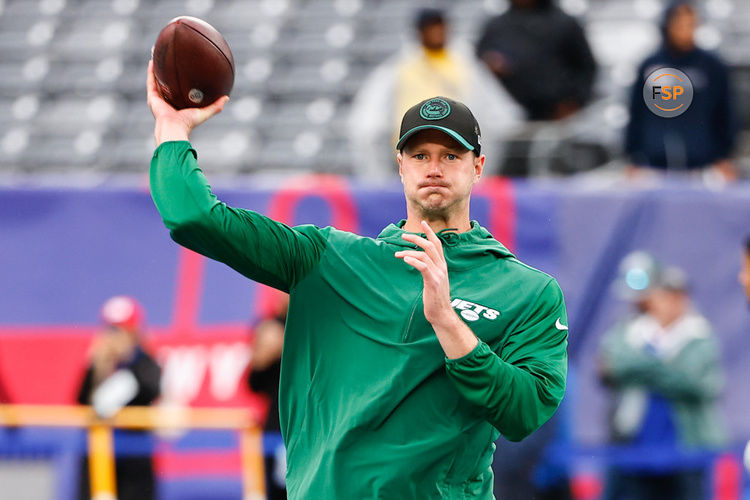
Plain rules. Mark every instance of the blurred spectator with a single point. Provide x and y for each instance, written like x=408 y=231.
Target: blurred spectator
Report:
x=541 y=56
x=704 y=135
x=528 y=470
x=4 y=396
x=744 y=276
x=664 y=366
x=121 y=373
x=264 y=379
x=434 y=67
x=744 y=279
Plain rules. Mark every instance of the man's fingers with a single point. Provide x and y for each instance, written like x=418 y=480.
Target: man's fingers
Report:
x=415 y=263
x=217 y=106
x=150 y=77
x=431 y=236
x=155 y=101
x=151 y=89
x=414 y=254
x=202 y=114
x=427 y=245
x=422 y=262
x=150 y=84
x=430 y=275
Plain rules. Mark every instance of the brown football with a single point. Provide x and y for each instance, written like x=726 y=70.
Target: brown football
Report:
x=193 y=64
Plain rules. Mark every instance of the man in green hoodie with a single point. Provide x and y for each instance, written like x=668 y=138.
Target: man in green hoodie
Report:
x=405 y=356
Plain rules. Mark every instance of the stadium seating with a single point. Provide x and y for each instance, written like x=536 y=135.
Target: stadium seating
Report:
x=73 y=75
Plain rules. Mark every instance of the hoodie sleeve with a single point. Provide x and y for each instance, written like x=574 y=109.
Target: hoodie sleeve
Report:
x=262 y=249
x=519 y=387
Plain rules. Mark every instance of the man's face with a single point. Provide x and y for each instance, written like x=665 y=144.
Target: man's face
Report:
x=667 y=306
x=681 y=28
x=744 y=276
x=434 y=36
x=119 y=342
x=438 y=173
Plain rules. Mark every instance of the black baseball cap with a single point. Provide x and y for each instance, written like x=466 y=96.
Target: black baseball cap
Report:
x=444 y=114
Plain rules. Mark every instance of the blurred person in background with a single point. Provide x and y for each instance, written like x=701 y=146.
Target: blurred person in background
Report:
x=702 y=138
x=436 y=65
x=4 y=396
x=744 y=278
x=744 y=275
x=664 y=368
x=530 y=469
x=541 y=56
x=121 y=373
x=263 y=378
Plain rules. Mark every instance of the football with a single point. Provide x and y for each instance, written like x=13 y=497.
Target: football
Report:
x=193 y=64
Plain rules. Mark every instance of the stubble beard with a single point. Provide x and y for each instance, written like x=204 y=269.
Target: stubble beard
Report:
x=440 y=208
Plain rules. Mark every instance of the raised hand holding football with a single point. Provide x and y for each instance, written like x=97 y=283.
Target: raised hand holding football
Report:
x=193 y=64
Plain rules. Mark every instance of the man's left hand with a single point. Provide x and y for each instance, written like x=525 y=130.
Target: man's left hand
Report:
x=454 y=336
x=431 y=263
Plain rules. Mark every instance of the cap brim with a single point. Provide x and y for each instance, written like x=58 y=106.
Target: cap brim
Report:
x=448 y=131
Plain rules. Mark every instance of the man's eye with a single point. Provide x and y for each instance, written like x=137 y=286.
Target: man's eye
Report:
x=452 y=157
x=419 y=156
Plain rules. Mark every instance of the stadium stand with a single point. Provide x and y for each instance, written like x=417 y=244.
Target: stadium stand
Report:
x=73 y=73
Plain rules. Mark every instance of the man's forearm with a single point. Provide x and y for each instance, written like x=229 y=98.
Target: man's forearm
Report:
x=455 y=337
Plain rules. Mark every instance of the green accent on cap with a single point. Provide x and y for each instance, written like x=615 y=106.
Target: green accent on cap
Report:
x=448 y=131
x=435 y=109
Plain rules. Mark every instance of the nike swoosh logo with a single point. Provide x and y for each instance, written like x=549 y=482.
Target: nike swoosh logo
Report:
x=559 y=325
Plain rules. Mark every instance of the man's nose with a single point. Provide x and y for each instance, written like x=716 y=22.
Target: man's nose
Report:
x=434 y=168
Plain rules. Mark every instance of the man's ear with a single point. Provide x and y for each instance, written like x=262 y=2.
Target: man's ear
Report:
x=400 y=159
x=479 y=167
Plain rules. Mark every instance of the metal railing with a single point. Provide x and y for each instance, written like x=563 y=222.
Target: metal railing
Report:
x=100 y=439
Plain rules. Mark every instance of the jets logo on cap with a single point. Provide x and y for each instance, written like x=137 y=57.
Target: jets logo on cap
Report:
x=435 y=109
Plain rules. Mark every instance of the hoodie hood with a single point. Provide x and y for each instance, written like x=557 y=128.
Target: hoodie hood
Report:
x=462 y=250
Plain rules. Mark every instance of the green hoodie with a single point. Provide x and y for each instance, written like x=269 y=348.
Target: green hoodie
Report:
x=370 y=407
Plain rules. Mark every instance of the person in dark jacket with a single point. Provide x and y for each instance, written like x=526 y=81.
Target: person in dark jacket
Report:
x=704 y=135
x=541 y=55
x=121 y=373
x=263 y=378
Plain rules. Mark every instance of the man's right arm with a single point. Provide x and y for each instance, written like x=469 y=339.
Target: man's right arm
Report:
x=260 y=248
